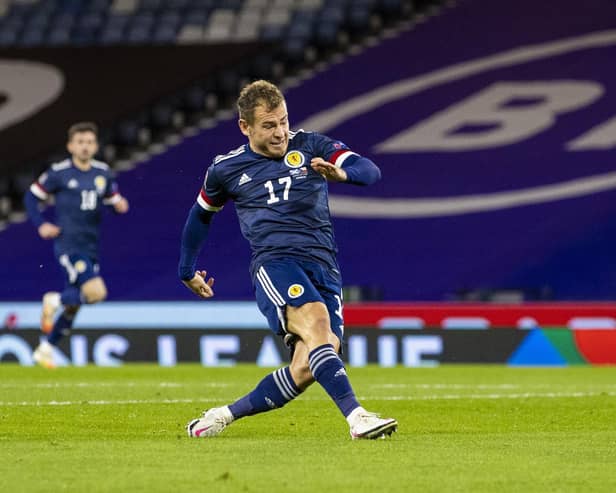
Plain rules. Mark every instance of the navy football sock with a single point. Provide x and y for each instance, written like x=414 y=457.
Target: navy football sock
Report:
x=61 y=327
x=274 y=391
x=328 y=369
x=71 y=296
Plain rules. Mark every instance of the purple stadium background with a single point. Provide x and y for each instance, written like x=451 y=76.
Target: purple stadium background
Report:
x=566 y=244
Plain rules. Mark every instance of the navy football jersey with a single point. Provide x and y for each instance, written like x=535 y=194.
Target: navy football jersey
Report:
x=79 y=199
x=282 y=204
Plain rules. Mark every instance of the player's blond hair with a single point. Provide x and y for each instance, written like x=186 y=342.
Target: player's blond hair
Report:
x=258 y=93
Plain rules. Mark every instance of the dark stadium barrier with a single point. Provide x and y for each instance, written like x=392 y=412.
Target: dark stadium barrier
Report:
x=213 y=347
x=45 y=90
x=412 y=335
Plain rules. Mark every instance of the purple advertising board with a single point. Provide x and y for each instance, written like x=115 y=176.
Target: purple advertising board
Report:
x=494 y=127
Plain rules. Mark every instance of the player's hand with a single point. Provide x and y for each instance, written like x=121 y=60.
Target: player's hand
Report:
x=121 y=207
x=328 y=170
x=48 y=231
x=201 y=285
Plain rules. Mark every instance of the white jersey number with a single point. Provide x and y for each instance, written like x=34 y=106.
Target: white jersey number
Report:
x=286 y=181
x=88 y=200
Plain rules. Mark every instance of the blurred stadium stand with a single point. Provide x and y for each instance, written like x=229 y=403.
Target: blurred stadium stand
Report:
x=298 y=34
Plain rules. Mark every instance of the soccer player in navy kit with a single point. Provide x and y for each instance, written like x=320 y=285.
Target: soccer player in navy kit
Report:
x=278 y=181
x=81 y=187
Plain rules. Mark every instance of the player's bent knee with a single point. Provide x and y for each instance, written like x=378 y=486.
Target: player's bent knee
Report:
x=94 y=290
x=311 y=322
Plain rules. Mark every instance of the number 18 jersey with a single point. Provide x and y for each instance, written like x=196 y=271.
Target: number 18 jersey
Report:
x=79 y=199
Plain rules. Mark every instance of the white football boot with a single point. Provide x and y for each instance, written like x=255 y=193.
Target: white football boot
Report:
x=43 y=355
x=51 y=303
x=212 y=423
x=370 y=425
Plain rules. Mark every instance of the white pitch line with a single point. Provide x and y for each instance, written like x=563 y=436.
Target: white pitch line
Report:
x=106 y=402
x=477 y=386
x=447 y=386
x=524 y=395
x=53 y=385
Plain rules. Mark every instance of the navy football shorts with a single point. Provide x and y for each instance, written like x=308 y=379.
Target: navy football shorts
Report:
x=78 y=269
x=294 y=282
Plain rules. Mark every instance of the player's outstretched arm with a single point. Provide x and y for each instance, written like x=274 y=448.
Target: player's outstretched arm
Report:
x=193 y=236
x=328 y=170
x=356 y=170
x=200 y=284
x=46 y=230
x=121 y=206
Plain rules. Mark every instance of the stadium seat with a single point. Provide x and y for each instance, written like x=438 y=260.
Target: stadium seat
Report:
x=72 y=6
x=90 y=20
x=193 y=100
x=144 y=20
x=98 y=6
x=294 y=50
x=309 y=4
x=13 y=22
x=31 y=37
x=392 y=8
x=326 y=35
x=165 y=34
x=127 y=133
x=259 y=4
x=118 y=21
x=38 y=20
x=196 y=17
x=159 y=116
x=280 y=17
x=123 y=6
x=138 y=35
x=59 y=36
x=229 y=4
x=111 y=35
x=332 y=14
x=64 y=19
x=150 y=5
x=204 y=4
x=8 y=37
x=169 y=18
x=191 y=34
x=272 y=32
x=359 y=20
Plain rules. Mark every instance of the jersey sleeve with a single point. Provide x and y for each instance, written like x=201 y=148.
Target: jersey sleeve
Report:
x=212 y=196
x=112 y=192
x=359 y=170
x=45 y=185
x=334 y=151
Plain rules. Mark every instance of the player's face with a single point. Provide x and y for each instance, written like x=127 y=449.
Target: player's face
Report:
x=83 y=146
x=269 y=132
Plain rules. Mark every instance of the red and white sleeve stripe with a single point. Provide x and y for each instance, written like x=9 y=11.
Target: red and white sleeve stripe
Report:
x=39 y=191
x=339 y=157
x=207 y=203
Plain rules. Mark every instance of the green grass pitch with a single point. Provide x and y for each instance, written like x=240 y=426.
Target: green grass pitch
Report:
x=462 y=428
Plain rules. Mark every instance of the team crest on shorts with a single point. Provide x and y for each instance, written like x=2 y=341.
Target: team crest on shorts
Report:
x=100 y=182
x=295 y=290
x=294 y=159
x=80 y=266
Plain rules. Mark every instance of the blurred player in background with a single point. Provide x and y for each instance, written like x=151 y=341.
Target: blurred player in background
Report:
x=278 y=181
x=81 y=187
